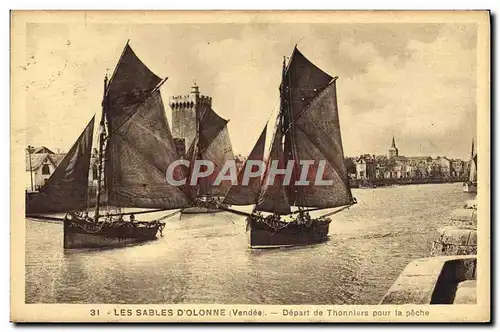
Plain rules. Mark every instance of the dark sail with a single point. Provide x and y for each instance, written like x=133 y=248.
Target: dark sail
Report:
x=273 y=197
x=210 y=125
x=247 y=194
x=304 y=82
x=140 y=146
x=317 y=137
x=130 y=85
x=66 y=189
x=211 y=143
x=219 y=151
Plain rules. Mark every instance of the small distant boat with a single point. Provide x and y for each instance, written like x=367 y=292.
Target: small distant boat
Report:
x=205 y=204
x=367 y=185
x=211 y=143
x=470 y=186
x=307 y=128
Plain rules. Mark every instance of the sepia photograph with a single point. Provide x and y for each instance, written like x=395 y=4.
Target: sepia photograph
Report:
x=250 y=166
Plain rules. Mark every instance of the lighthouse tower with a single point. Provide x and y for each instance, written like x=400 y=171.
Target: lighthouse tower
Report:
x=184 y=109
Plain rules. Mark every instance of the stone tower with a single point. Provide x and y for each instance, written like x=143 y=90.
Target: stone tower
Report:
x=184 y=114
x=393 y=150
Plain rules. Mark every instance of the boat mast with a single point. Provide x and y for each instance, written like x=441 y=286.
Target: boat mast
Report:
x=290 y=131
x=472 y=150
x=102 y=134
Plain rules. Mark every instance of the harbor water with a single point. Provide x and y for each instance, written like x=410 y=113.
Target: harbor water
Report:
x=204 y=258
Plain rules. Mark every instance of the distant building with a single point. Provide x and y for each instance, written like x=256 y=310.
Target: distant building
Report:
x=393 y=150
x=43 y=163
x=396 y=166
x=458 y=168
x=184 y=112
x=419 y=166
x=365 y=167
x=443 y=165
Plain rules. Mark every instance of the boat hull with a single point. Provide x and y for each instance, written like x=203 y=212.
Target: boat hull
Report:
x=200 y=209
x=469 y=187
x=205 y=206
x=80 y=233
x=262 y=235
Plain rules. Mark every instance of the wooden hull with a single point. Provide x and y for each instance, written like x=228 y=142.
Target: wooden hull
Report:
x=200 y=209
x=469 y=187
x=204 y=207
x=80 y=233
x=262 y=235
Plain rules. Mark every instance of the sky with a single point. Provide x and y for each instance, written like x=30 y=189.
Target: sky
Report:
x=414 y=81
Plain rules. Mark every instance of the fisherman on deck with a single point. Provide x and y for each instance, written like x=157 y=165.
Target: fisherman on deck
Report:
x=300 y=219
x=308 y=219
x=132 y=217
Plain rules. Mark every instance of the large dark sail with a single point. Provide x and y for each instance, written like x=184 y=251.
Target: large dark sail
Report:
x=140 y=146
x=246 y=194
x=219 y=151
x=66 y=189
x=318 y=138
x=312 y=132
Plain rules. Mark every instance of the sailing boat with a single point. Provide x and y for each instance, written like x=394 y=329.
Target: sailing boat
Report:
x=470 y=186
x=211 y=143
x=307 y=131
x=135 y=149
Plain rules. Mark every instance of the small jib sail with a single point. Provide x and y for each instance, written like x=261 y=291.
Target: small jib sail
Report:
x=66 y=189
x=139 y=144
x=308 y=122
x=211 y=143
x=248 y=193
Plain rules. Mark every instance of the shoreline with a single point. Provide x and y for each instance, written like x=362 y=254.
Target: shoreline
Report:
x=354 y=183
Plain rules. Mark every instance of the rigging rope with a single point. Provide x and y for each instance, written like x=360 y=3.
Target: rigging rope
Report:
x=136 y=212
x=336 y=211
x=168 y=215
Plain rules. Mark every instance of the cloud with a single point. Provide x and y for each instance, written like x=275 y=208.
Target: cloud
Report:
x=432 y=96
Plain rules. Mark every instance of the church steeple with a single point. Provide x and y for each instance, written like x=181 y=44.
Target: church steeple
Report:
x=393 y=150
